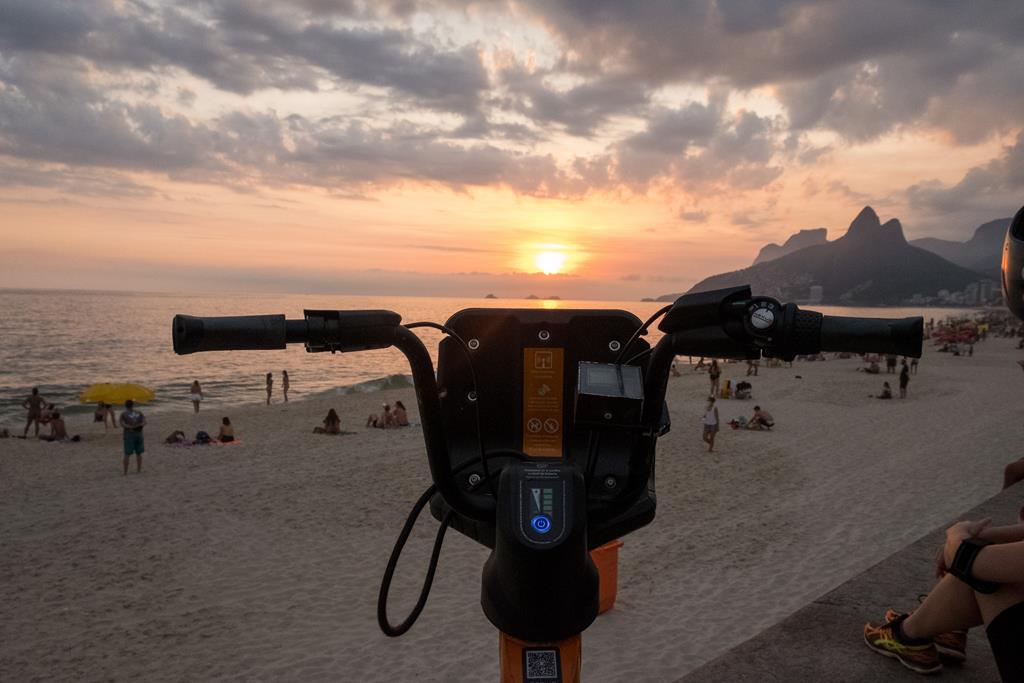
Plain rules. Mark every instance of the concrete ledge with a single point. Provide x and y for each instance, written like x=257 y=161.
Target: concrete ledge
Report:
x=823 y=641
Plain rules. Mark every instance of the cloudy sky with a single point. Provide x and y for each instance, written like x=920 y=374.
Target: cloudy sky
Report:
x=436 y=147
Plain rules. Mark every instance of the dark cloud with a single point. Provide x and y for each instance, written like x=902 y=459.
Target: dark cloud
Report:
x=993 y=188
x=581 y=109
x=859 y=67
x=700 y=146
x=242 y=47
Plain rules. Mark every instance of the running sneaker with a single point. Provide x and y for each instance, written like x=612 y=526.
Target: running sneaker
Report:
x=922 y=659
x=951 y=646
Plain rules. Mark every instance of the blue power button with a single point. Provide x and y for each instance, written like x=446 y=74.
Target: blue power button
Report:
x=541 y=524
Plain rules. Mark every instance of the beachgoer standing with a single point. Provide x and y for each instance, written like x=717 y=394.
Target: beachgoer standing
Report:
x=270 y=386
x=34 y=404
x=904 y=379
x=103 y=412
x=890 y=364
x=710 y=423
x=285 y=384
x=197 y=395
x=913 y=366
x=132 y=421
x=714 y=372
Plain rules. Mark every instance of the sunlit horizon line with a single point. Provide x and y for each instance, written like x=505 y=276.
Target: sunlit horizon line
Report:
x=251 y=294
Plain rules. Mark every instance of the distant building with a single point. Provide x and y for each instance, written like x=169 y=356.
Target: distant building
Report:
x=971 y=294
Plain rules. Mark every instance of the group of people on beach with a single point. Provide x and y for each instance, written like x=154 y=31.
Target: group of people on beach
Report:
x=196 y=390
x=389 y=417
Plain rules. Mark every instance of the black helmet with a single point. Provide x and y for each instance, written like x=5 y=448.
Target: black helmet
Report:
x=1013 y=265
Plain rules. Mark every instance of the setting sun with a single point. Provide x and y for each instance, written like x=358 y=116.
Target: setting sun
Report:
x=550 y=262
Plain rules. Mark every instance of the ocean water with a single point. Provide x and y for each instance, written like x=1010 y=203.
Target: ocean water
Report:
x=63 y=341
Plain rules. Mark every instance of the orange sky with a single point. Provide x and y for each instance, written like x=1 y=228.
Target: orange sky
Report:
x=170 y=174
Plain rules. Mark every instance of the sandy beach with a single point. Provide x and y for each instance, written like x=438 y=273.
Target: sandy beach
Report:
x=262 y=560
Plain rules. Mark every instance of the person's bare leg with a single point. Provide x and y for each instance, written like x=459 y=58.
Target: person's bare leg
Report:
x=951 y=606
x=127 y=459
x=1013 y=473
x=711 y=441
x=138 y=463
x=1008 y=595
x=27 y=425
x=195 y=405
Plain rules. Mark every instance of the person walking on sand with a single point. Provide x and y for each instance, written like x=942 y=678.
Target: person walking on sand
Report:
x=34 y=404
x=710 y=423
x=197 y=395
x=904 y=379
x=890 y=364
x=714 y=372
x=913 y=366
x=132 y=421
x=270 y=386
x=285 y=384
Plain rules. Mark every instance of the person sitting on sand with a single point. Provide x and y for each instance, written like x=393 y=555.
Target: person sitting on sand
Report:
x=176 y=437
x=991 y=592
x=762 y=419
x=103 y=413
x=400 y=415
x=382 y=421
x=332 y=424
x=710 y=421
x=47 y=413
x=227 y=431
x=58 y=431
x=886 y=391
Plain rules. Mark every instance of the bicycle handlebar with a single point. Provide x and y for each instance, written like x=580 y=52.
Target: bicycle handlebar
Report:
x=726 y=323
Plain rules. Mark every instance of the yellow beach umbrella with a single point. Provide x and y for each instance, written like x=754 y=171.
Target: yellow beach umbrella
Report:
x=116 y=393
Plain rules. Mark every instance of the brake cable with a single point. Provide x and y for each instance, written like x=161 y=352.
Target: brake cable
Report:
x=435 y=554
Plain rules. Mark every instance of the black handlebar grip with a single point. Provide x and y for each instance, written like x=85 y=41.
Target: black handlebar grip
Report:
x=233 y=333
x=902 y=336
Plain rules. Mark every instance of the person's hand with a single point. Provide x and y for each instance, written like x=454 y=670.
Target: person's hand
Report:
x=956 y=534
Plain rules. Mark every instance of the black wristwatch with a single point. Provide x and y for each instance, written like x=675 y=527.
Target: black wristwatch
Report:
x=964 y=559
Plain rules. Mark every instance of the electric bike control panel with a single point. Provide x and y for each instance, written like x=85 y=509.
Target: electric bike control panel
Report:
x=543 y=504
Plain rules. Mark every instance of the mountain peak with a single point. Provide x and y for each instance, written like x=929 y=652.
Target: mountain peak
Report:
x=891 y=232
x=866 y=222
x=804 y=238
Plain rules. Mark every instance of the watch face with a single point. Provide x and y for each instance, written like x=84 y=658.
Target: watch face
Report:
x=762 y=318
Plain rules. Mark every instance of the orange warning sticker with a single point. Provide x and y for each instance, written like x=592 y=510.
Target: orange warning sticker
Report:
x=542 y=401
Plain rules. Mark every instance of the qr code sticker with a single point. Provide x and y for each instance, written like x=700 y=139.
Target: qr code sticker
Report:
x=542 y=664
